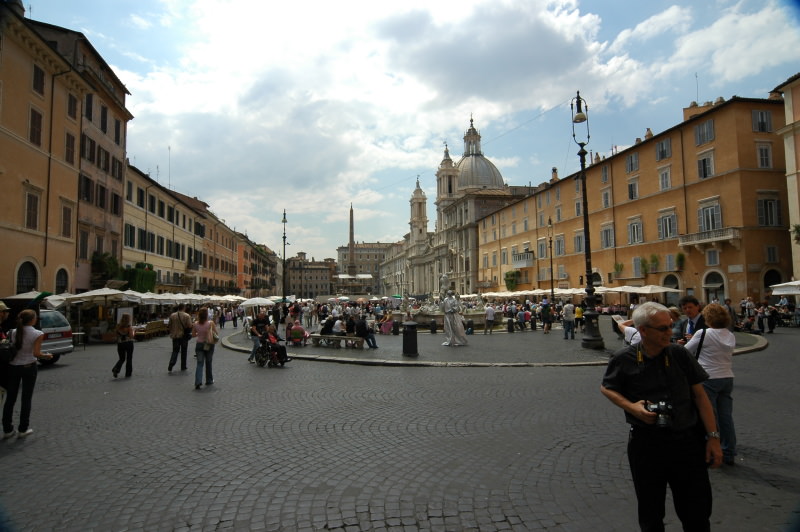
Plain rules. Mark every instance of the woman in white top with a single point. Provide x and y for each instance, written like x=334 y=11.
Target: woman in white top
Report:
x=21 y=373
x=714 y=350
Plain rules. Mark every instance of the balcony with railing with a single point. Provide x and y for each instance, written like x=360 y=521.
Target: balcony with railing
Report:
x=522 y=260
x=706 y=239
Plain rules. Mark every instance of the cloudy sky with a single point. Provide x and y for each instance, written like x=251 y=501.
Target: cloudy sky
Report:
x=256 y=106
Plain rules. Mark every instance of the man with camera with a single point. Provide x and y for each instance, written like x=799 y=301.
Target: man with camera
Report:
x=673 y=436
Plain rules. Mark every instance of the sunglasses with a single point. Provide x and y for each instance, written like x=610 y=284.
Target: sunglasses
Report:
x=663 y=328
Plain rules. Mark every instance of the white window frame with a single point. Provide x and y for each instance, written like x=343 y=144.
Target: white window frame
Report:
x=667 y=225
x=633 y=188
x=632 y=162
x=664 y=149
x=635 y=231
x=607 y=236
x=579 y=242
x=705 y=165
x=665 y=178
x=764 y=154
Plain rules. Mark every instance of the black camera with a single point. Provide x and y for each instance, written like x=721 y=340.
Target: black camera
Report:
x=664 y=411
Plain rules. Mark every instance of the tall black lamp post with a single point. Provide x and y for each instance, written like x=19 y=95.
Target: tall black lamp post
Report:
x=591 y=336
x=552 y=287
x=284 y=255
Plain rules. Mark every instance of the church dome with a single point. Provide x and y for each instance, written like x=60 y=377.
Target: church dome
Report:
x=475 y=170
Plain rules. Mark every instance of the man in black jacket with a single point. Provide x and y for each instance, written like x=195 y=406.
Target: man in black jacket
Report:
x=659 y=385
x=690 y=306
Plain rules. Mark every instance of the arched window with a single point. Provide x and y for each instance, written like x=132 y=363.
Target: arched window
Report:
x=62 y=281
x=26 y=277
x=772 y=277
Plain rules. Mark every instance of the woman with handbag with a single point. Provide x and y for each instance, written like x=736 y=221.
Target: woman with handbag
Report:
x=124 y=346
x=205 y=331
x=714 y=351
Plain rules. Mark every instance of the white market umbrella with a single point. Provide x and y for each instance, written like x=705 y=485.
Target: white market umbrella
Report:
x=33 y=294
x=258 y=302
x=792 y=288
x=101 y=295
x=647 y=289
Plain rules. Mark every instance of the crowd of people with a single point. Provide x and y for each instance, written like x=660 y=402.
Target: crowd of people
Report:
x=532 y=315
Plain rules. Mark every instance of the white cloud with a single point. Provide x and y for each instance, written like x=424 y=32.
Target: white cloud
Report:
x=269 y=105
x=674 y=19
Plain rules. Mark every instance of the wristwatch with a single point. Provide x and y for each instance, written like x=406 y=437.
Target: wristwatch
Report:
x=712 y=435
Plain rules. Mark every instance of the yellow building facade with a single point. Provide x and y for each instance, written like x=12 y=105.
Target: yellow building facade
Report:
x=40 y=127
x=159 y=230
x=100 y=154
x=701 y=207
x=791 y=142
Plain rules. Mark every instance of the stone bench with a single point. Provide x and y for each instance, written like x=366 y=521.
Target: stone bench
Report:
x=336 y=341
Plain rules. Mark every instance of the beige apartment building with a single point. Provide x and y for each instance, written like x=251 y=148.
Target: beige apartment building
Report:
x=158 y=230
x=101 y=162
x=257 y=268
x=310 y=278
x=40 y=125
x=212 y=260
x=701 y=207
x=791 y=143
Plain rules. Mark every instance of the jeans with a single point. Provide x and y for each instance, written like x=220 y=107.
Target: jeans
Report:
x=14 y=377
x=256 y=344
x=569 y=329
x=370 y=339
x=204 y=358
x=125 y=353
x=719 y=393
x=179 y=344
x=488 y=326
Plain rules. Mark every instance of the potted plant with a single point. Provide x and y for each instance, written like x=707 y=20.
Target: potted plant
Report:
x=680 y=260
x=654 y=260
x=618 y=266
x=796 y=233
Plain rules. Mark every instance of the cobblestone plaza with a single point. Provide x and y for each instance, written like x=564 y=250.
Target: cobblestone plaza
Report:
x=326 y=446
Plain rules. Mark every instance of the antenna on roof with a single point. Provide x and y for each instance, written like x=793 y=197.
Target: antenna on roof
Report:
x=696 y=88
x=169 y=166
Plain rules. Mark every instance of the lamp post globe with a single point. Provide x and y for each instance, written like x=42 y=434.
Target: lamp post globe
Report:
x=579 y=110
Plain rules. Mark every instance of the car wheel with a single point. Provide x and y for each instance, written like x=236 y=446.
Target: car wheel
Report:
x=49 y=361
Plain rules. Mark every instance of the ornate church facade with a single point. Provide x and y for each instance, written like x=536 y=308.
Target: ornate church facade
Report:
x=466 y=191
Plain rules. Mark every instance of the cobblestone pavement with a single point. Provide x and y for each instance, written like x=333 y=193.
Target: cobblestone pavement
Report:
x=346 y=447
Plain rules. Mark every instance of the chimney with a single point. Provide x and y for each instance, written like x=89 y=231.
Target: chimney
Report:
x=554 y=175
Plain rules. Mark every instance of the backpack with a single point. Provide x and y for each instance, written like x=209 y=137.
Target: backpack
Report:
x=7 y=351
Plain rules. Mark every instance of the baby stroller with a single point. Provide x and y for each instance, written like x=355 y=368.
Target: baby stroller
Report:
x=270 y=355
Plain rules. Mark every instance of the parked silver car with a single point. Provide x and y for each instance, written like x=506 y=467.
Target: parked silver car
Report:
x=57 y=334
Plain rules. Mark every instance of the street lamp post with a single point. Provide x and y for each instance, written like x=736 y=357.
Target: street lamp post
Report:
x=591 y=336
x=552 y=287
x=284 y=255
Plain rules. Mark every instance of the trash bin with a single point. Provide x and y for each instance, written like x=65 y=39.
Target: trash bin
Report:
x=395 y=327
x=410 y=339
x=433 y=326
x=510 y=325
x=470 y=325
